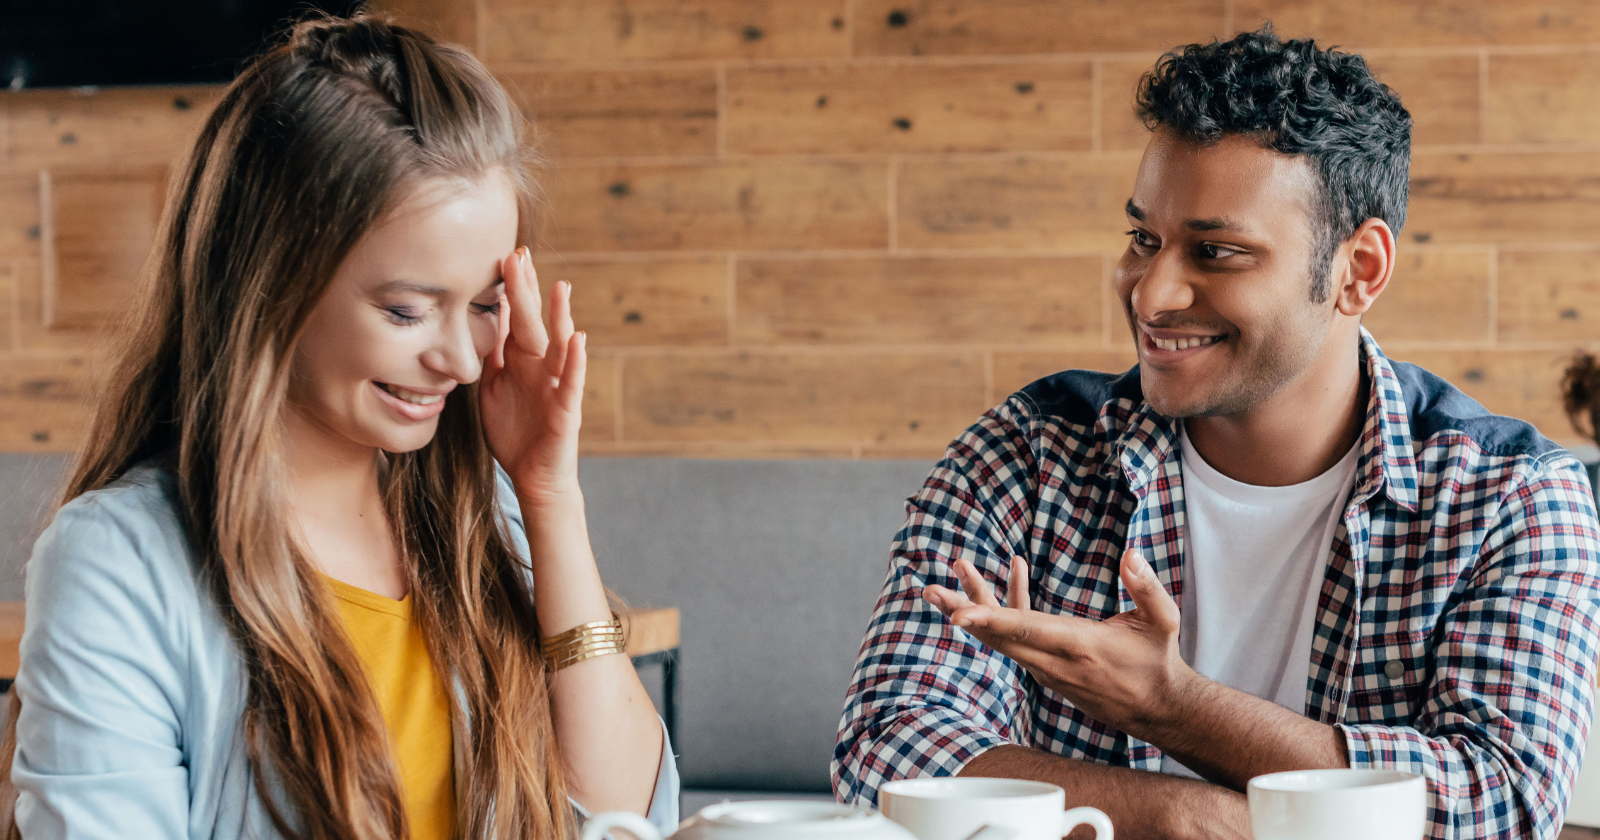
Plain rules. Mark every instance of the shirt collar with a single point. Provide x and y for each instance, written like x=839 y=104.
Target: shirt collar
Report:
x=1385 y=462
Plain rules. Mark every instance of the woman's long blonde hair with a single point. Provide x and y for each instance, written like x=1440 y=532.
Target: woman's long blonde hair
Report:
x=308 y=148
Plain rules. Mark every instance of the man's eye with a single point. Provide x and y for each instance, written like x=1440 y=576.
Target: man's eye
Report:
x=1140 y=239
x=1216 y=252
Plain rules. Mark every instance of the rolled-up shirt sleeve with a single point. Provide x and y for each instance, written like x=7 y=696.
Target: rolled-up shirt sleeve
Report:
x=1507 y=712
x=926 y=698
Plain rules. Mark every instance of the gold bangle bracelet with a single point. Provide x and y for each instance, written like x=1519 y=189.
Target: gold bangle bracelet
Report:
x=584 y=642
x=600 y=636
x=585 y=647
x=559 y=639
x=605 y=650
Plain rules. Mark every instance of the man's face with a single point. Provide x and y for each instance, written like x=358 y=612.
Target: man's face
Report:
x=1216 y=281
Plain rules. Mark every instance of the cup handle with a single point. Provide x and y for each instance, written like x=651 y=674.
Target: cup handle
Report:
x=639 y=827
x=1076 y=817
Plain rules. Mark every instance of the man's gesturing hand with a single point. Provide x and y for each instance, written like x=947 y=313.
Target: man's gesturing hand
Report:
x=1124 y=672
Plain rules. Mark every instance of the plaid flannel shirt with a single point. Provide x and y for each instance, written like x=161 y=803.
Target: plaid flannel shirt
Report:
x=1457 y=629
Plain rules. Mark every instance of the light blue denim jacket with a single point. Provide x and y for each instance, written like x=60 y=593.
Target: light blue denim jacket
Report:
x=133 y=691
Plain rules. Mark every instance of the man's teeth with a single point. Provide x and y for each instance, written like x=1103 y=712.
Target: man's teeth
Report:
x=1185 y=343
x=411 y=396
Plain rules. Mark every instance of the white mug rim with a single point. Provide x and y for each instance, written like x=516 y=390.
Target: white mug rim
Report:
x=983 y=787
x=1345 y=781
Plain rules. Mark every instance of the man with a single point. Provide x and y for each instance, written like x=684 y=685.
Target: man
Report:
x=1265 y=548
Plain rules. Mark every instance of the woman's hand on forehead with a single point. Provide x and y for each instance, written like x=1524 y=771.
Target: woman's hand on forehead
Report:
x=532 y=390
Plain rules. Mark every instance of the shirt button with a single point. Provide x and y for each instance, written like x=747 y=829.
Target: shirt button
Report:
x=1395 y=669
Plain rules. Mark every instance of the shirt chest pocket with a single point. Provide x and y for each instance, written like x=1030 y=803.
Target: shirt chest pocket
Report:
x=1390 y=678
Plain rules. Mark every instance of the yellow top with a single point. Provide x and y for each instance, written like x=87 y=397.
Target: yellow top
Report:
x=413 y=702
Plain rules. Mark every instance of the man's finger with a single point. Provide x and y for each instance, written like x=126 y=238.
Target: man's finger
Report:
x=946 y=600
x=1055 y=634
x=1149 y=596
x=1017 y=586
x=974 y=585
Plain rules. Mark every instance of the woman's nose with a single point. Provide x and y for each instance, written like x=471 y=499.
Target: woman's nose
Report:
x=455 y=353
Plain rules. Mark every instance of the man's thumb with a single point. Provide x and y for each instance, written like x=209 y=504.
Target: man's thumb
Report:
x=1149 y=596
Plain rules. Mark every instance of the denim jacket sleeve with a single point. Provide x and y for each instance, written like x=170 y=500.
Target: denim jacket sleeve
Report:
x=99 y=737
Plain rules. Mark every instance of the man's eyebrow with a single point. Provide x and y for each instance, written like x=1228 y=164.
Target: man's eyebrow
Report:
x=1211 y=224
x=1218 y=223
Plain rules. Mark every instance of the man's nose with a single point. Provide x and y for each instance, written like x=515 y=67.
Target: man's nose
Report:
x=1164 y=287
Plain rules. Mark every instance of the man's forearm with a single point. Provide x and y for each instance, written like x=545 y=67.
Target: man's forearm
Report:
x=1141 y=804
x=1230 y=737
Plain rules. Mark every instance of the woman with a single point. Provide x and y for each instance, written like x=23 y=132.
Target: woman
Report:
x=290 y=594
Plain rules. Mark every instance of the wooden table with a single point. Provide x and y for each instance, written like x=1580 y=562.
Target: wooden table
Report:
x=652 y=640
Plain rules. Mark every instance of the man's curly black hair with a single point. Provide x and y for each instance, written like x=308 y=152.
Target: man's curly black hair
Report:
x=1293 y=98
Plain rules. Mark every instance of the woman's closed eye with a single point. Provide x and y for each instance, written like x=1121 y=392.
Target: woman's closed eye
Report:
x=404 y=316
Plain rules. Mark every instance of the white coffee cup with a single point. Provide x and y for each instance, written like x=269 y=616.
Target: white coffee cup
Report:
x=758 y=820
x=1338 y=804
x=958 y=808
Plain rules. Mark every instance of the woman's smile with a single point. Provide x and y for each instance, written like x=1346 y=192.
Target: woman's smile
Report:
x=412 y=405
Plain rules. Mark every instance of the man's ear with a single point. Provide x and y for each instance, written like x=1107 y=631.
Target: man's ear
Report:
x=1369 y=256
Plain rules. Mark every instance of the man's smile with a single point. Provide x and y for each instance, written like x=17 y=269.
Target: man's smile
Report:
x=1170 y=345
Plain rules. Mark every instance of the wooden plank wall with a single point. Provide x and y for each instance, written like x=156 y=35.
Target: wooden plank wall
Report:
x=844 y=228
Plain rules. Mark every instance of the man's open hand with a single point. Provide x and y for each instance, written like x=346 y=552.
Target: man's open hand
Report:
x=1125 y=671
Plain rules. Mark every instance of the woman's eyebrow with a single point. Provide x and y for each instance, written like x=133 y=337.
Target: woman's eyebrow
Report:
x=424 y=288
x=412 y=286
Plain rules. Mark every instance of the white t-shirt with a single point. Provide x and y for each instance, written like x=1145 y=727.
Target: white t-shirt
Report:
x=1253 y=566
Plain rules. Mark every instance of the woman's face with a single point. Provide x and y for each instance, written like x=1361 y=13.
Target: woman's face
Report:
x=410 y=314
